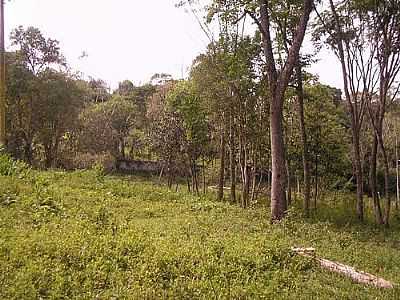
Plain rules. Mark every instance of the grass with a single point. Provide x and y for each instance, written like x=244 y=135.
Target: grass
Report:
x=83 y=235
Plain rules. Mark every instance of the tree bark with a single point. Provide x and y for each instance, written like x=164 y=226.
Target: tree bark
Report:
x=278 y=195
x=355 y=275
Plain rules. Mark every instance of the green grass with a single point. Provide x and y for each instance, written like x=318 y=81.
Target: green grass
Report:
x=83 y=235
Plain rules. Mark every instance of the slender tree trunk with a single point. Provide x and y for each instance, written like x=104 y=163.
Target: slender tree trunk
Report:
x=355 y=122
x=204 y=177
x=28 y=153
x=397 y=173
x=253 y=178
x=222 y=166
x=386 y=178
x=306 y=165
x=373 y=182
x=48 y=157
x=3 y=137
x=359 y=175
x=243 y=162
x=195 y=178
x=188 y=184
x=316 y=181
x=288 y=183
x=122 y=145
x=232 y=159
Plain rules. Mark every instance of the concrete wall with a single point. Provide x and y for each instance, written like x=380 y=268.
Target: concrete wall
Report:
x=138 y=166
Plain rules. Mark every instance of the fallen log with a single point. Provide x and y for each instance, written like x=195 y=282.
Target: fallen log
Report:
x=212 y=187
x=357 y=276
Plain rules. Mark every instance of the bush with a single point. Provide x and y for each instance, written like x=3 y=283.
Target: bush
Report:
x=93 y=161
x=11 y=167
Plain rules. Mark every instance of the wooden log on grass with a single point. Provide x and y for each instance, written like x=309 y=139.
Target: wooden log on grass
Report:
x=351 y=272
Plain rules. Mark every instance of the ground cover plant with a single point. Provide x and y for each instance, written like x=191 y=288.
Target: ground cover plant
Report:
x=84 y=235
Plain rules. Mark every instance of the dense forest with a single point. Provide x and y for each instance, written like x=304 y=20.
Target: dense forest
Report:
x=251 y=125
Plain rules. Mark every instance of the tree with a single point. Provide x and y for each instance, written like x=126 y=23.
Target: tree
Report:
x=61 y=101
x=185 y=101
x=385 y=37
x=35 y=51
x=99 y=91
x=277 y=84
x=125 y=88
x=285 y=18
x=364 y=37
x=34 y=57
x=105 y=127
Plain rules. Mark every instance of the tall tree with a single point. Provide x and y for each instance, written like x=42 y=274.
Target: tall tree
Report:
x=2 y=80
x=278 y=80
x=35 y=55
x=384 y=26
x=364 y=36
x=346 y=37
x=285 y=18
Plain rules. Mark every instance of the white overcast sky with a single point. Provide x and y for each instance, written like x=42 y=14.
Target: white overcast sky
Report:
x=125 y=39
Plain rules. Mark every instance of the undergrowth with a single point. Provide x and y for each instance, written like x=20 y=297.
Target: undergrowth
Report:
x=85 y=235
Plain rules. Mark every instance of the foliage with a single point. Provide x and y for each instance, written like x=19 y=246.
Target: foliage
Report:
x=106 y=126
x=38 y=53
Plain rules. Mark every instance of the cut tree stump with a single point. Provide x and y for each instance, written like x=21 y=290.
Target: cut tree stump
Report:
x=357 y=276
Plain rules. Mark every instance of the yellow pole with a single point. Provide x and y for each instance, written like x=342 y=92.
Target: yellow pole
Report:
x=2 y=80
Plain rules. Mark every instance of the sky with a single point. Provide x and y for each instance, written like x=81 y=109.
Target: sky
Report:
x=126 y=39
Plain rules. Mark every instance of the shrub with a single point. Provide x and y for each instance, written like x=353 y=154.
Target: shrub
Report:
x=93 y=161
x=11 y=167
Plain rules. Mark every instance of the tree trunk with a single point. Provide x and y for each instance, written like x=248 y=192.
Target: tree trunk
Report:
x=288 y=183
x=222 y=166
x=3 y=137
x=232 y=159
x=373 y=182
x=122 y=148
x=28 y=153
x=243 y=162
x=48 y=157
x=355 y=275
x=355 y=120
x=359 y=175
x=316 y=181
x=397 y=173
x=253 y=178
x=195 y=178
x=386 y=176
x=306 y=165
x=278 y=195
x=204 y=177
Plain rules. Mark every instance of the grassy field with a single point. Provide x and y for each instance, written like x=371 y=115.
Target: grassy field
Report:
x=83 y=235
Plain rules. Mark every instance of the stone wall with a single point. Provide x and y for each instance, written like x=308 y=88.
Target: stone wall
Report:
x=138 y=166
